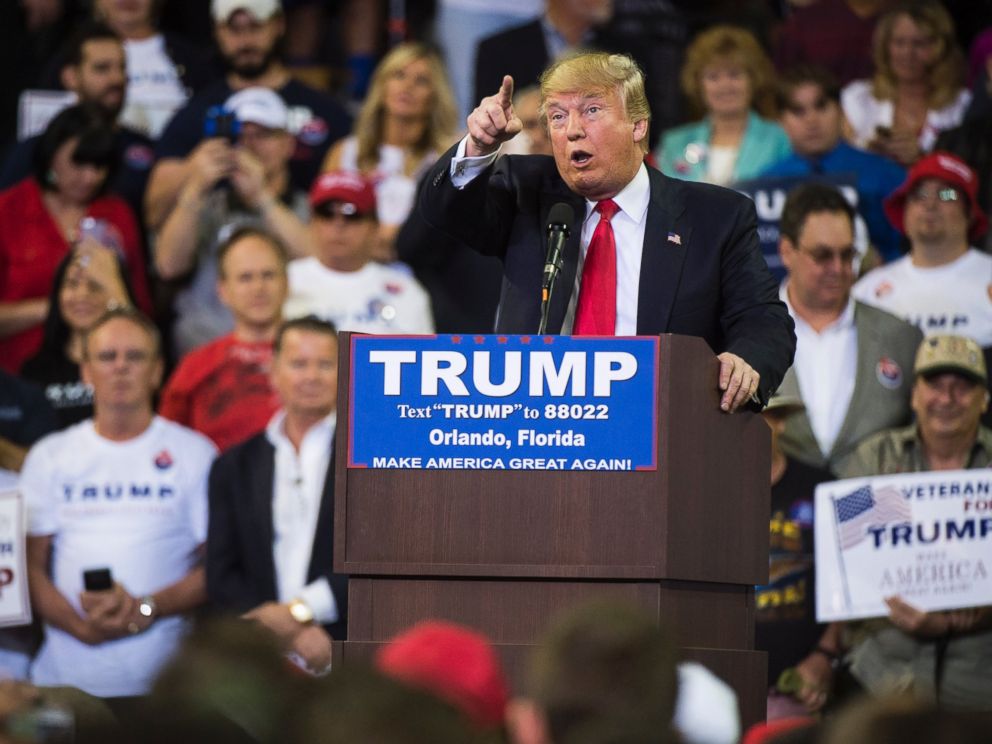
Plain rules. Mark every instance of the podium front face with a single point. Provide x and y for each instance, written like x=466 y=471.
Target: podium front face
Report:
x=503 y=549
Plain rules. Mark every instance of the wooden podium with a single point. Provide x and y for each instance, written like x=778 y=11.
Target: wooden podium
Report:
x=504 y=551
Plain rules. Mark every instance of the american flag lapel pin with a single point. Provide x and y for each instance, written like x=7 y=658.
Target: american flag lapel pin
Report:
x=675 y=238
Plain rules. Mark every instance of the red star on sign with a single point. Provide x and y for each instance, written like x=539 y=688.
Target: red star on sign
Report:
x=501 y=339
x=456 y=339
x=480 y=339
x=525 y=339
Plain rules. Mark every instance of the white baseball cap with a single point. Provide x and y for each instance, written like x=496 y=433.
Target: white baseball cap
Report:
x=263 y=10
x=258 y=105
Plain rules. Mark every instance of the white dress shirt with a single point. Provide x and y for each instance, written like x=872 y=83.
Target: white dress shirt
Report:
x=826 y=364
x=628 y=230
x=297 y=489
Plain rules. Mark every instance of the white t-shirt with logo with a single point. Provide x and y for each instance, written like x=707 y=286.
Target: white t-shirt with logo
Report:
x=375 y=299
x=953 y=298
x=138 y=508
x=154 y=89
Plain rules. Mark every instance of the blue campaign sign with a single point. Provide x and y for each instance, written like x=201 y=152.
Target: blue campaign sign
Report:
x=503 y=402
x=768 y=195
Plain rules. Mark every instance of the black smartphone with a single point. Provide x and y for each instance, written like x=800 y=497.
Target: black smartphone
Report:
x=97 y=580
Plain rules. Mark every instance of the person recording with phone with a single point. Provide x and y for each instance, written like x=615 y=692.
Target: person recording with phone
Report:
x=61 y=205
x=116 y=521
x=640 y=253
x=239 y=178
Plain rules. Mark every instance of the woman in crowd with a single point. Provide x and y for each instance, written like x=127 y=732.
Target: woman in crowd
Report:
x=728 y=78
x=45 y=214
x=162 y=69
x=89 y=281
x=407 y=120
x=918 y=88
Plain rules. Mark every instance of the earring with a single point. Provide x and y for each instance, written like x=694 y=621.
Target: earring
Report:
x=51 y=178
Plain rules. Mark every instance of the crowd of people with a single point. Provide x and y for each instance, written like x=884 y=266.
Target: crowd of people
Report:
x=183 y=234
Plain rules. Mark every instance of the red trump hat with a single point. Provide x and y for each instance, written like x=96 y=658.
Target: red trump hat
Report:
x=953 y=171
x=343 y=186
x=453 y=662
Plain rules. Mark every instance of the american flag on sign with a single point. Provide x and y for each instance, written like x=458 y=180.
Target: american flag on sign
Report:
x=856 y=511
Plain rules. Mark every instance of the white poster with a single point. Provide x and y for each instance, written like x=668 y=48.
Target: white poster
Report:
x=15 y=604
x=925 y=537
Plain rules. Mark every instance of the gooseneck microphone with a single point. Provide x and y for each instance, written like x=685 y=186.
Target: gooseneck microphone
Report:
x=559 y=219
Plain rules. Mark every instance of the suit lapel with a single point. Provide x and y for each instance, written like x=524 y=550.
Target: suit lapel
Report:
x=262 y=485
x=863 y=375
x=562 y=292
x=666 y=240
x=322 y=550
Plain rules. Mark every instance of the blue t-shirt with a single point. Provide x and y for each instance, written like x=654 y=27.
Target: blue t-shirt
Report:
x=876 y=177
x=322 y=121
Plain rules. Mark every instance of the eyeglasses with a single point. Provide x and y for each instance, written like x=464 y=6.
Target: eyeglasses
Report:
x=133 y=356
x=822 y=256
x=946 y=194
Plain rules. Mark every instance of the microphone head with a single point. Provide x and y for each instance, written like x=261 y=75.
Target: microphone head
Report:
x=560 y=217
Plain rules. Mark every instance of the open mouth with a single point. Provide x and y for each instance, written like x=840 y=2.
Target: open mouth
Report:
x=580 y=157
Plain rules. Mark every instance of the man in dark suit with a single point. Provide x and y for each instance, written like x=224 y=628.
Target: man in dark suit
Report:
x=270 y=540
x=677 y=257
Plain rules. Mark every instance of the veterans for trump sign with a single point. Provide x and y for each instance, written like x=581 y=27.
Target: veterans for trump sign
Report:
x=503 y=402
x=925 y=537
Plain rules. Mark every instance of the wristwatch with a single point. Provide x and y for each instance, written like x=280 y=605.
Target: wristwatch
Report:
x=301 y=611
x=147 y=607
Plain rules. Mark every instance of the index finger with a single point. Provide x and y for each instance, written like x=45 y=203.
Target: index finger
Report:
x=506 y=91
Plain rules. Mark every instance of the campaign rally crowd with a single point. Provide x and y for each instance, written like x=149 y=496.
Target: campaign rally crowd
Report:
x=196 y=196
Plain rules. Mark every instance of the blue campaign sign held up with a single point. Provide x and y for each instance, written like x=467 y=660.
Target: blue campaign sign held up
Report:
x=503 y=402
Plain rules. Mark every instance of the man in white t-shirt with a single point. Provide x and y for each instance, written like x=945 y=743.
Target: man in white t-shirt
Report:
x=341 y=283
x=943 y=285
x=124 y=491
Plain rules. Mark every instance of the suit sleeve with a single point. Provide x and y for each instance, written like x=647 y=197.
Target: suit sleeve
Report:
x=756 y=324
x=228 y=586
x=478 y=215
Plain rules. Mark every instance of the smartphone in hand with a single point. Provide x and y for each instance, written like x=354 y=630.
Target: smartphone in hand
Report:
x=98 y=580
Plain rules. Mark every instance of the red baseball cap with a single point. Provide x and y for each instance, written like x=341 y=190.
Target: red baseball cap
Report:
x=343 y=186
x=453 y=662
x=948 y=168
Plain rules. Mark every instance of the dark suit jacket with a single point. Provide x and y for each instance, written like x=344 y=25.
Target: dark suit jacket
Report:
x=702 y=272
x=241 y=572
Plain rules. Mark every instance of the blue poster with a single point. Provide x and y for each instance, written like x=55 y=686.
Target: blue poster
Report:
x=503 y=402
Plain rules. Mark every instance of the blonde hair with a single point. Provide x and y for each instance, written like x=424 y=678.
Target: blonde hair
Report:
x=735 y=45
x=946 y=75
x=442 y=118
x=599 y=72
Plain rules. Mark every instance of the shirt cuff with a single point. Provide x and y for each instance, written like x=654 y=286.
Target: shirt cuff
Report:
x=464 y=169
x=320 y=599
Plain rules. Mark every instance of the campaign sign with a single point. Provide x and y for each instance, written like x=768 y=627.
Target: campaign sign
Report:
x=15 y=606
x=925 y=537
x=503 y=402
x=769 y=194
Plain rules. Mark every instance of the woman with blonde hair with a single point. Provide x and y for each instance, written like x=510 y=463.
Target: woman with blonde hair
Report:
x=918 y=87
x=729 y=80
x=407 y=120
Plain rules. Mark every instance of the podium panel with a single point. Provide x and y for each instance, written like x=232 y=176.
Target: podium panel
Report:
x=505 y=550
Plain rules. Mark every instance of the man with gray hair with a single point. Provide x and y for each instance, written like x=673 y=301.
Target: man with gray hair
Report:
x=646 y=254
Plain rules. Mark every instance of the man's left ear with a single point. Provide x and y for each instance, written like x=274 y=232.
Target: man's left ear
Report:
x=640 y=130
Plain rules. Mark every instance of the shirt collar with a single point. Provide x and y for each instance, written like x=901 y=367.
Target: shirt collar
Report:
x=844 y=320
x=276 y=433
x=633 y=199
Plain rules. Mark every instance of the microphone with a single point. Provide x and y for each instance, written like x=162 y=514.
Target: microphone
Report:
x=559 y=219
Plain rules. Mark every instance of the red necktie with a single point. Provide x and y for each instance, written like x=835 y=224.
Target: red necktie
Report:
x=596 y=312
